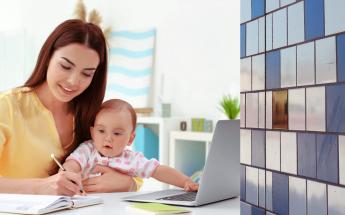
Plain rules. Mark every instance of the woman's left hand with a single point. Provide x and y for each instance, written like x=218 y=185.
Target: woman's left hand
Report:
x=109 y=180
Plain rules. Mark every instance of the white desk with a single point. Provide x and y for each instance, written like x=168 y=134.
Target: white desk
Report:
x=114 y=205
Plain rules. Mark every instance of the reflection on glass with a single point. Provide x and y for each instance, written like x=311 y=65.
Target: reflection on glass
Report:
x=286 y=2
x=289 y=157
x=246 y=146
x=269 y=191
x=288 y=67
x=342 y=159
x=269 y=109
x=258 y=8
x=273 y=150
x=334 y=16
x=317 y=199
x=245 y=10
x=262 y=110
x=262 y=34
x=305 y=64
x=271 y=5
x=258 y=72
x=252 y=110
x=315 y=114
x=243 y=41
x=326 y=66
x=296 y=23
x=279 y=28
x=252 y=34
x=262 y=190
x=297 y=195
x=269 y=27
x=246 y=76
x=335 y=199
x=243 y=110
x=314 y=17
x=297 y=109
x=279 y=110
x=252 y=185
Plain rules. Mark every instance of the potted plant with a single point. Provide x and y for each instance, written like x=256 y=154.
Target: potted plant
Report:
x=230 y=106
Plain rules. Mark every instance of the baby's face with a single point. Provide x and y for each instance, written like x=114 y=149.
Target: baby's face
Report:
x=112 y=131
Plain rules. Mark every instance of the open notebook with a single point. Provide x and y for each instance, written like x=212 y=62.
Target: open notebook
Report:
x=40 y=204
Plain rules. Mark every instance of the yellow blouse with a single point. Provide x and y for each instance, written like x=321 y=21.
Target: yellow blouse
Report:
x=28 y=136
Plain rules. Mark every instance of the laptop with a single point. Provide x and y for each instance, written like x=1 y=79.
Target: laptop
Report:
x=221 y=175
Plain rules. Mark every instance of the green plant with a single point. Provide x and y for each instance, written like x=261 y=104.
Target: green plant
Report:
x=230 y=106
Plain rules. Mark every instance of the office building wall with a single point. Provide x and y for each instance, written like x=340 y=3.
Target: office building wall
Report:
x=292 y=107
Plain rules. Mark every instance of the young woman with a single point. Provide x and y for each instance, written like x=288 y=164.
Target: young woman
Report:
x=52 y=113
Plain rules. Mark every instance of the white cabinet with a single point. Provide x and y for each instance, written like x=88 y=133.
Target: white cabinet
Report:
x=188 y=150
x=161 y=127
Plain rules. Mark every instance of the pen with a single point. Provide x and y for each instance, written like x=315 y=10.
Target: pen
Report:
x=63 y=169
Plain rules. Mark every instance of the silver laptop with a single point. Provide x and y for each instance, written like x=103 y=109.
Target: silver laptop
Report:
x=221 y=174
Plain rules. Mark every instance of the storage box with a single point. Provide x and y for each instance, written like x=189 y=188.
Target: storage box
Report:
x=146 y=141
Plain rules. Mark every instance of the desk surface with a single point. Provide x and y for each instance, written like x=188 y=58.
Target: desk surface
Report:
x=114 y=205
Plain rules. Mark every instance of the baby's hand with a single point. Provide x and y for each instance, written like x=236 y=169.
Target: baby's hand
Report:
x=191 y=186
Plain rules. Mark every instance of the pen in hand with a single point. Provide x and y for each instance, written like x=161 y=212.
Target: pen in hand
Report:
x=63 y=169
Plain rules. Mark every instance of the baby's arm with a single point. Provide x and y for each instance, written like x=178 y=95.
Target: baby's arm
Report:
x=171 y=176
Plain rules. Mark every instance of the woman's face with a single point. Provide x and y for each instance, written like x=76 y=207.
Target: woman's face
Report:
x=70 y=71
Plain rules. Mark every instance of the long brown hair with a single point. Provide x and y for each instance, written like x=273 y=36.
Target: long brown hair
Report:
x=85 y=105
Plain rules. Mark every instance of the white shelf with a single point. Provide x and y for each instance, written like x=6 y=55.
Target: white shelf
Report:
x=188 y=150
x=161 y=127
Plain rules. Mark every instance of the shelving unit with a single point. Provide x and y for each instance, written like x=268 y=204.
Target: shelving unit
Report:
x=161 y=127
x=188 y=150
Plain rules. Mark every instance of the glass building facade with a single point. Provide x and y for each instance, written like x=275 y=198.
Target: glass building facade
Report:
x=292 y=107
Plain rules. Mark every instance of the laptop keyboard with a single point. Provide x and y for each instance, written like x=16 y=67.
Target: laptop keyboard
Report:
x=190 y=196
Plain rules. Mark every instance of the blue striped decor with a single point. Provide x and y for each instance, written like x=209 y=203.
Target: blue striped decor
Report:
x=132 y=56
x=132 y=35
x=128 y=91
x=130 y=72
x=131 y=53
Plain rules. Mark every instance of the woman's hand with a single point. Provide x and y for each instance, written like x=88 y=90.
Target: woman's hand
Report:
x=63 y=183
x=109 y=180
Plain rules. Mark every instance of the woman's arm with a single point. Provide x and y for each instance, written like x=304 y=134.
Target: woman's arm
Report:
x=110 y=180
x=62 y=183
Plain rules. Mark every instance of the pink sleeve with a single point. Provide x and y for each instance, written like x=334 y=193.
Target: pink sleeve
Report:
x=144 y=167
x=81 y=154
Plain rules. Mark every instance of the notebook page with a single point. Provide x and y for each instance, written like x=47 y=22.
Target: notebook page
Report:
x=81 y=201
x=32 y=204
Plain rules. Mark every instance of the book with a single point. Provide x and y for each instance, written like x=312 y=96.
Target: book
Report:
x=155 y=208
x=41 y=204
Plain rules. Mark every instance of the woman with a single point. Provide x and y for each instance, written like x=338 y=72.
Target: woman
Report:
x=52 y=113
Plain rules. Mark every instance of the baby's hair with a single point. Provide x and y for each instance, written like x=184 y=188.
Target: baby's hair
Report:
x=118 y=105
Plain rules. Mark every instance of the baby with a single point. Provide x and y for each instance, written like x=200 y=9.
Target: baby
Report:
x=112 y=131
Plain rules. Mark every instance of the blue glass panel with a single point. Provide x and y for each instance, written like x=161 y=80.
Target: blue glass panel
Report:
x=327 y=157
x=258 y=8
x=258 y=148
x=273 y=70
x=341 y=57
x=243 y=182
x=306 y=150
x=246 y=209
x=243 y=40
x=314 y=19
x=335 y=106
x=280 y=193
x=257 y=211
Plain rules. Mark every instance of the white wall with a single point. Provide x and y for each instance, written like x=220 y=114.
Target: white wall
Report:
x=197 y=49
